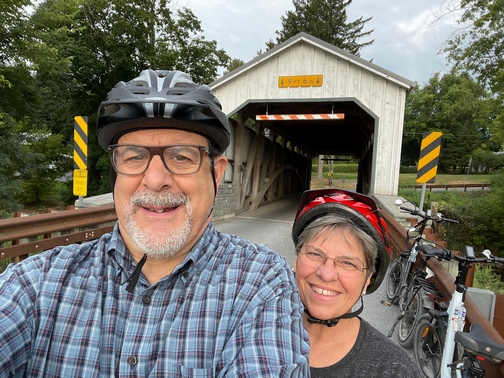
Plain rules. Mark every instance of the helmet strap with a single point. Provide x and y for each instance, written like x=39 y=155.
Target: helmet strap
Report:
x=335 y=321
x=133 y=279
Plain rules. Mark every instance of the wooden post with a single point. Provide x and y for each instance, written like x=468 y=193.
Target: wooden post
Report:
x=256 y=171
x=250 y=164
x=17 y=214
x=238 y=157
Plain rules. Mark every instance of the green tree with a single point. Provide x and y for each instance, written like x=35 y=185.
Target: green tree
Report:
x=13 y=17
x=324 y=19
x=47 y=159
x=455 y=105
x=16 y=84
x=233 y=65
x=99 y=43
x=12 y=165
x=478 y=48
x=487 y=161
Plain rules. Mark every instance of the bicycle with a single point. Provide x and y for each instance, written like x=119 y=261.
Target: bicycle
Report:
x=406 y=285
x=440 y=350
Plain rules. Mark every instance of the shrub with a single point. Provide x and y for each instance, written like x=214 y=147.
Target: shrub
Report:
x=338 y=168
x=407 y=169
x=486 y=278
x=480 y=215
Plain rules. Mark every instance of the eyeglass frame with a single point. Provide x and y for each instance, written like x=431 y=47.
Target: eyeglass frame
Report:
x=335 y=264
x=157 y=150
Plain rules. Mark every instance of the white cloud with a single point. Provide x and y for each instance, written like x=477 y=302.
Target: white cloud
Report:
x=406 y=33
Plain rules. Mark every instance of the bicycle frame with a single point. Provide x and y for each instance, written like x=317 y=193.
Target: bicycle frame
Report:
x=441 y=338
x=449 y=343
x=458 y=297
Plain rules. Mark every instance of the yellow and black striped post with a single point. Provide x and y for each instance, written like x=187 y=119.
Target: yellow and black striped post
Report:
x=80 y=155
x=80 y=142
x=429 y=157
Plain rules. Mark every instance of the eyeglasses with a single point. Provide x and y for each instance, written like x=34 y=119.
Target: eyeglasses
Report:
x=133 y=159
x=317 y=258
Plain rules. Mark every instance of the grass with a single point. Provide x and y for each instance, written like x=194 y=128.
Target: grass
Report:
x=339 y=180
x=409 y=179
x=349 y=180
x=486 y=278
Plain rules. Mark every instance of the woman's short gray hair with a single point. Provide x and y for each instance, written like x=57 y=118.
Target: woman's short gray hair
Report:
x=337 y=221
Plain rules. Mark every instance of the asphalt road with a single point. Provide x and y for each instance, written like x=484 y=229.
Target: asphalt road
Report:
x=272 y=224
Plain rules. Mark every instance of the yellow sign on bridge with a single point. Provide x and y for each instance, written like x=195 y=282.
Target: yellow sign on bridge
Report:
x=300 y=81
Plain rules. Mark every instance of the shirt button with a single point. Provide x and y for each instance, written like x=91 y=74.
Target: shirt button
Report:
x=146 y=299
x=186 y=274
x=132 y=360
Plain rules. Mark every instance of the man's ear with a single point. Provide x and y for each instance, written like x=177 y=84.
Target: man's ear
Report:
x=220 y=164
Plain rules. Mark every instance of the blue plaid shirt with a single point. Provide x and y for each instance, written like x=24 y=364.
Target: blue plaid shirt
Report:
x=230 y=309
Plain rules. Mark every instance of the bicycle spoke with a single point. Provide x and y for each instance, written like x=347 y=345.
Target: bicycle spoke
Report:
x=428 y=352
x=410 y=319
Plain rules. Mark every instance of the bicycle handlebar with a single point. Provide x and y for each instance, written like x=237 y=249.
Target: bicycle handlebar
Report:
x=435 y=218
x=445 y=254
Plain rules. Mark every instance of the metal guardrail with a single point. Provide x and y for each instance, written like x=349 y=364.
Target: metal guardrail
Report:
x=458 y=187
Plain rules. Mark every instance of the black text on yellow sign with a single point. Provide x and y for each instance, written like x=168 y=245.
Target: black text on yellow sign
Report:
x=80 y=142
x=429 y=157
x=300 y=81
x=80 y=182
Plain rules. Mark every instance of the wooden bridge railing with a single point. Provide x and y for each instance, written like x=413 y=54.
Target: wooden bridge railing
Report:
x=446 y=283
x=24 y=235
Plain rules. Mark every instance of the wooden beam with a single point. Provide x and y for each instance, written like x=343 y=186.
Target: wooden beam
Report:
x=238 y=157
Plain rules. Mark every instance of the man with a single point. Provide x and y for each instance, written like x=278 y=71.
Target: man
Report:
x=165 y=294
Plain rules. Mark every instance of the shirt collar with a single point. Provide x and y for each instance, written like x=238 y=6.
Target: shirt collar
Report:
x=197 y=256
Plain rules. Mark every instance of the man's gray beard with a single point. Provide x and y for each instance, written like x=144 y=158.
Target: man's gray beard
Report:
x=158 y=246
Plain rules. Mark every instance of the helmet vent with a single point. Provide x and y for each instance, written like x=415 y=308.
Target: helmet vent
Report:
x=139 y=83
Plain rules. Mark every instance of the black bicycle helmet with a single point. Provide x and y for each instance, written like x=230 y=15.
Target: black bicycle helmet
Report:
x=158 y=100
x=361 y=209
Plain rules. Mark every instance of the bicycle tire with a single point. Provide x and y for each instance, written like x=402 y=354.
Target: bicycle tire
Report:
x=394 y=280
x=407 y=324
x=428 y=357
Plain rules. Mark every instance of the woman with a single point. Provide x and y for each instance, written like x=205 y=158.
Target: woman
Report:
x=342 y=253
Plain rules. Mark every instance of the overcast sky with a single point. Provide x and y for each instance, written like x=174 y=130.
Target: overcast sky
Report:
x=407 y=40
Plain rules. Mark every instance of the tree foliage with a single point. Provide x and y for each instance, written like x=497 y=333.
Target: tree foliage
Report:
x=59 y=58
x=326 y=20
x=233 y=65
x=455 y=105
x=48 y=159
x=11 y=165
x=478 y=47
x=480 y=216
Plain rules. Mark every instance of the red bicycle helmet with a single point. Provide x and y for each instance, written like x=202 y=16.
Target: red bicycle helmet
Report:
x=360 y=208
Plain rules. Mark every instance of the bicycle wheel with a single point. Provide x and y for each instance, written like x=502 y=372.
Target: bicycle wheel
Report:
x=428 y=352
x=410 y=319
x=394 y=280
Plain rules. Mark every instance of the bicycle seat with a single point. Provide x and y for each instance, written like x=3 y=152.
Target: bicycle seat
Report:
x=477 y=342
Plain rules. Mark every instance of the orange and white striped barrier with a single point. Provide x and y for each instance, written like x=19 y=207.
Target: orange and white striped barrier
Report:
x=298 y=117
